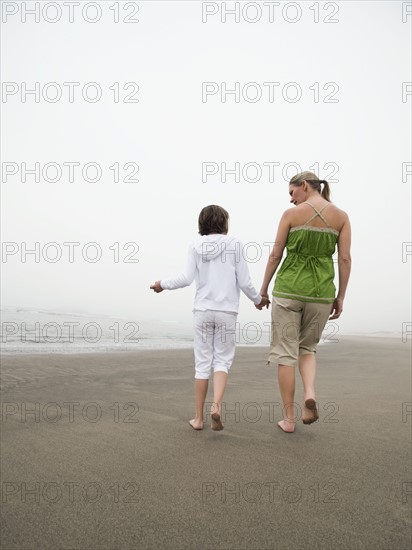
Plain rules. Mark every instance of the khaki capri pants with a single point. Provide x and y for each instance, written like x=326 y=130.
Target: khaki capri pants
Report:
x=296 y=329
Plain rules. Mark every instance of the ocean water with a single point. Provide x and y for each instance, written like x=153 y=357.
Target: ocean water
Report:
x=29 y=330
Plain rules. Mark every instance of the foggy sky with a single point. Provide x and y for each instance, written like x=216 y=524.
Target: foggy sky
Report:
x=170 y=132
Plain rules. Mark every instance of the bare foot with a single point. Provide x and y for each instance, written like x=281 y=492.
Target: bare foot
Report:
x=310 y=412
x=286 y=426
x=196 y=424
x=217 y=424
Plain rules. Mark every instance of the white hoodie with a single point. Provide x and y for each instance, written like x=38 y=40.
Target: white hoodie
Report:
x=220 y=271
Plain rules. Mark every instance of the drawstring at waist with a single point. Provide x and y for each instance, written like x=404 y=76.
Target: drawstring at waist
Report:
x=311 y=262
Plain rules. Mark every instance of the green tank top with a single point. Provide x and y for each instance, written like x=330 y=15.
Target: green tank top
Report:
x=307 y=272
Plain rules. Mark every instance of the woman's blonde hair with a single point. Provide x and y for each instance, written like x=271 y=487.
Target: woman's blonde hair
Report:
x=312 y=180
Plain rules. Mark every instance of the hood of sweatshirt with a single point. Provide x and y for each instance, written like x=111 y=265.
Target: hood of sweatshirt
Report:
x=210 y=247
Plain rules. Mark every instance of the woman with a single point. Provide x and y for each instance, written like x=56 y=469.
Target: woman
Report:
x=304 y=292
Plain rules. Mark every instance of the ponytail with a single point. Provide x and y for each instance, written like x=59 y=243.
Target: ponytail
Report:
x=325 y=190
x=313 y=180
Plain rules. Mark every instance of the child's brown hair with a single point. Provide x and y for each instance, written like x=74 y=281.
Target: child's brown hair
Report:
x=213 y=219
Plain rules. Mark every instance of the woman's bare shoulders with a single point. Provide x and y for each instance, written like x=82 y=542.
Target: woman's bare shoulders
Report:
x=299 y=215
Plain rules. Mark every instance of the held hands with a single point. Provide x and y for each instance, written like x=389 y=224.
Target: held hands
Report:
x=264 y=302
x=156 y=287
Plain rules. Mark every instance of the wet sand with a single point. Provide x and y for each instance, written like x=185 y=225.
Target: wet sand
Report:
x=107 y=460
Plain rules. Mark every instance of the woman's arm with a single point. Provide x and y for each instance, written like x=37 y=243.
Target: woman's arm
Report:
x=244 y=281
x=344 y=267
x=275 y=256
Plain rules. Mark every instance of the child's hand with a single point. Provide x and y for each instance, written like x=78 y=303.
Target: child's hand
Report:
x=156 y=287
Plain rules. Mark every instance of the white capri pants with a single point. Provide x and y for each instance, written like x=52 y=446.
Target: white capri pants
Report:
x=215 y=341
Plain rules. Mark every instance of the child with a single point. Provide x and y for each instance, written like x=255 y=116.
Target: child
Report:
x=220 y=271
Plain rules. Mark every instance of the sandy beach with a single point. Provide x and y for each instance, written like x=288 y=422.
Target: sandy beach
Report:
x=97 y=453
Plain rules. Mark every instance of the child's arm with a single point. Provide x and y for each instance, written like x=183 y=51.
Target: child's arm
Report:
x=186 y=277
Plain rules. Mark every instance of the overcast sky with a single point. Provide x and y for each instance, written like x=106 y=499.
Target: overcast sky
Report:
x=326 y=96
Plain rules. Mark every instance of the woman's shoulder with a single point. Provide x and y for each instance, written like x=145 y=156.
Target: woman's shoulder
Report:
x=333 y=206
x=338 y=212
x=300 y=214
